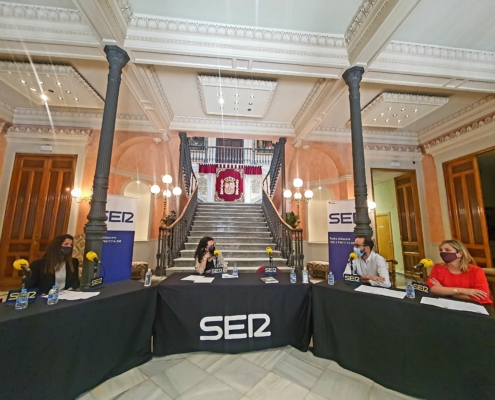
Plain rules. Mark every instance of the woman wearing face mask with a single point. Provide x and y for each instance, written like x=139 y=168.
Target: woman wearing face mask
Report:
x=457 y=277
x=205 y=257
x=56 y=267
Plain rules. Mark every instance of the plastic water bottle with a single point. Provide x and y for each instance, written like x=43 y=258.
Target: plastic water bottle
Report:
x=410 y=294
x=235 y=271
x=331 y=278
x=147 y=278
x=305 y=275
x=293 y=276
x=52 y=296
x=22 y=300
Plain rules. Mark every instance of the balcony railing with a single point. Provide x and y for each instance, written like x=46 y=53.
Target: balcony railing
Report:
x=230 y=155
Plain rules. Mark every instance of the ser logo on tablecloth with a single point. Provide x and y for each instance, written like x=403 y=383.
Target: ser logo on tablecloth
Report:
x=228 y=328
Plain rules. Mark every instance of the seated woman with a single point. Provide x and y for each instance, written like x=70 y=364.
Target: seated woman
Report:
x=56 y=267
x=205 y=258
x=457 y=277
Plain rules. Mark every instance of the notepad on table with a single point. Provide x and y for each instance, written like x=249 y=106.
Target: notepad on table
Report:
x=454 y=305
x=380 y=291
x=269 y=279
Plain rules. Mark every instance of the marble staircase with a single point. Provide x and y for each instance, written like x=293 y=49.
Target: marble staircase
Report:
x=240 y=232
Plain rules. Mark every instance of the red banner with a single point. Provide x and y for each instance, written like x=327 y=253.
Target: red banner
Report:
x=229 y=185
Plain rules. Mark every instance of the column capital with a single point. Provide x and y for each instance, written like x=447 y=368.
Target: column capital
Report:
x=117 y=58
x=353 y=76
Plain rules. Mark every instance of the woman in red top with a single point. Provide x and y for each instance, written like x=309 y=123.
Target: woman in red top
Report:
x=456 y=277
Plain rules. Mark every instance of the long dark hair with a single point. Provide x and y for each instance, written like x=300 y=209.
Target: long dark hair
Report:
x=201 y=249
x=54 y=256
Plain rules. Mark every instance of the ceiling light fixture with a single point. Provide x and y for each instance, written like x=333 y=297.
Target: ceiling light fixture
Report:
x=374 y=119
x=382 y=114
x=398 y=120
x=41 y=83
x=236 y=95
x=416 y=110
x=235 y=108
x=250 y=104
x=76 y=99
x=407 y=116
x=44 y=97
x=236 y=102
x=59 y=84
x=221 y=100
x=23 y=81
x=252 y=96
x=403 y=109
x=67 y=91
x=249 y=109
x=389 y=108
x=395 y=115
x=60 y=98
x=33 y=89
x=387 y=120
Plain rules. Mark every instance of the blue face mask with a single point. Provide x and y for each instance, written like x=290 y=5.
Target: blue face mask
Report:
x=358 y=251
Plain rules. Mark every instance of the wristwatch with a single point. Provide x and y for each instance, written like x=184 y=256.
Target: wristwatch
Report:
x=456 y=291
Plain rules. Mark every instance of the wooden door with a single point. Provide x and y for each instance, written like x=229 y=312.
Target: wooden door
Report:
x=385 y=241
x=411 y=229
x=467 y=213
x=230 y=151
x=38 y=209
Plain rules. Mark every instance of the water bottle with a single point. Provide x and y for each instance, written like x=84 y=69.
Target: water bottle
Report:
x=410 y=294
x=147 y=278
x=305 y=275
x=331 y=278
x=293 y=277
x=235 y=271
x=52 y=296
x=22 y=300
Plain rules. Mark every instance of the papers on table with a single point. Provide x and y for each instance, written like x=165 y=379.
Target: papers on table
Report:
x=198 y=279
x=228 y=276
x=381 y=291
x=454 y=305
x=71 y=295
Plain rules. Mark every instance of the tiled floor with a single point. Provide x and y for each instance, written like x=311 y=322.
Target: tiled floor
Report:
x=285 y=374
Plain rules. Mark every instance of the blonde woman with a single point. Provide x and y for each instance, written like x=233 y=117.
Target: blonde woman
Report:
x=205 y=257
x=457 y=276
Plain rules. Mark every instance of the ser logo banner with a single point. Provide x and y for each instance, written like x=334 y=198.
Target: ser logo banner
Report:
x=354 y=279
x=421 y=287
x=229 y=328
x=14 y=294
x=96 y=282
x=270 y=270
x=216 y=271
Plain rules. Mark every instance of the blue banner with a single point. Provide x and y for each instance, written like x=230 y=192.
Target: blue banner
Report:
x=118 y=242
x=341 y=221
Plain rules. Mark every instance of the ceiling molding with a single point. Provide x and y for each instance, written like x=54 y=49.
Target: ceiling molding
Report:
x=151 y=72
x=392 y=148
x=6 y=111
x=309 y=101
x=372 y=27
x=370 y=136
x=37 y=130
x=472 y=112
x=27 y=11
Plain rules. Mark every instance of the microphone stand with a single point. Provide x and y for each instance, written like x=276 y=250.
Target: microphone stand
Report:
x=25 y=276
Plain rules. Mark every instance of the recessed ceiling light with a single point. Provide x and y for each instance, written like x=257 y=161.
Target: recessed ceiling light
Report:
x=76 y=99
x=221 y=108
x=236 y=102
x=252 y=96
x=389 y=108
x=398 y=120
x=387 y=120
x=44 y=97
x=41 y=83
x=33 y=89
x=382 y=114
x=218 y=94
x=395 y=115
x=250 y=104
x=60 y=98
x=249 y=109
x=67 y=91
x=403 y=109
x=236 y=95
x=416 y=110
x=59 y=84
x=23 y=81
x=221 y=100
x=407 y=116
x=374 y=119
x=235 y=108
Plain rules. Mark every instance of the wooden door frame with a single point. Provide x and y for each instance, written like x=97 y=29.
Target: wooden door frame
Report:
x=29 y=143
x=388 y=214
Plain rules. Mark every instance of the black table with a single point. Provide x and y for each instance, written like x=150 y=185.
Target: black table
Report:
x=420 y=350
x=61 y=351
x=182 y=305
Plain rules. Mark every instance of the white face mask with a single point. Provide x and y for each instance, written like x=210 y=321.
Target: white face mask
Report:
x=358 y=251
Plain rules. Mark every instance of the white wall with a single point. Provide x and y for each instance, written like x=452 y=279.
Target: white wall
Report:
x=141 y=192
x=316 y=211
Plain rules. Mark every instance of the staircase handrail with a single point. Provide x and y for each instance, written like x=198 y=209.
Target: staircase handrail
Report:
x=171 y=238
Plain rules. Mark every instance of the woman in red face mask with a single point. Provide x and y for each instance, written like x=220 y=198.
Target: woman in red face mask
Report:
x=457 y=277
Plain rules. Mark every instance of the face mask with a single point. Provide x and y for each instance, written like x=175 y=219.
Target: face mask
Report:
x=66 y=250
x=358 y=251
x=448 y=257
x=211 y=249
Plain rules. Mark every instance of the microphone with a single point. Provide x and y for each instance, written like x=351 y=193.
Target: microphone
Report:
x=92 y=256
x=353 y=256
x=22 y=265
x=424 y=263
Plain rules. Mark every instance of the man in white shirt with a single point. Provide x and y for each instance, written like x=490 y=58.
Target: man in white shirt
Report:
x=371 y=266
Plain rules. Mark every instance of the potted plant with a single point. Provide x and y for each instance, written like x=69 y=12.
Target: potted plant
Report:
x=292 y=219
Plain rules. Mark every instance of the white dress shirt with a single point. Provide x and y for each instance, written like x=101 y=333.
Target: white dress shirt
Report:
x=374 y=265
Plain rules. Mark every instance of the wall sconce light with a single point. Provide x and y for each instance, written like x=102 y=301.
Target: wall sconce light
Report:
x=166 y=194
x=76 y=195
x=308 y=194
x=371 y=206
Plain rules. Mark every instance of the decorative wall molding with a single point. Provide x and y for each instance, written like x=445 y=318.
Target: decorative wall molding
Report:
x=362 y=13
x=392 y=148
x=373 y=132
x=238 y=82
x=6 y=106
x=467 y=128
x=449 y=53
x=313 y=95
x=153 y=76
x=52 y=14
x=48 y=131
x=233 y=122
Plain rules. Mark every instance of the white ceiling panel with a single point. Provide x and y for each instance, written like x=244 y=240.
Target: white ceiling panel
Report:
x=323 y=16
x=47 y=3
x=451 y=23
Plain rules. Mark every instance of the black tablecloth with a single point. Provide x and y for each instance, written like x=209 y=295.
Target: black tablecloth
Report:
x=58 y=352
x=420 y=350
x=181 y=306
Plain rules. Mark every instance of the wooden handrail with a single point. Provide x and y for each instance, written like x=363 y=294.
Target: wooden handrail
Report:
x=183 y=212
x=279 y=216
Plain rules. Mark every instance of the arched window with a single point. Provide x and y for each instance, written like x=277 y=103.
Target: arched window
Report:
x=317 y=215
x=141 y=192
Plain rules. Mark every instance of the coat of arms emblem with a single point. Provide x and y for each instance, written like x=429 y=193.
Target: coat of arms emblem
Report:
x=229 y=185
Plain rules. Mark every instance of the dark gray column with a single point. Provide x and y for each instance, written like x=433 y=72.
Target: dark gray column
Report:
x=352 y=77
x=96 y=226
x=282 y=142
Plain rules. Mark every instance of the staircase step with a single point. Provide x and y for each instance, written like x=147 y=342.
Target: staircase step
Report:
x=224 y=224
x=229 y=210
x=234 y=229
x=234 y=246
x=241 y=238
x=241 y=262
x=227 y=254
x=228 y=205
x=230 y=217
